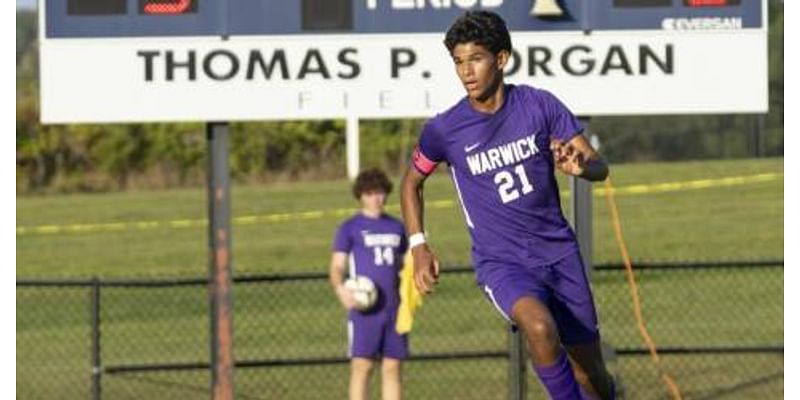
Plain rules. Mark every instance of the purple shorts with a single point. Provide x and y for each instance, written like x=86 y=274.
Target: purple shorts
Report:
x=373 y=336
x=561 y=286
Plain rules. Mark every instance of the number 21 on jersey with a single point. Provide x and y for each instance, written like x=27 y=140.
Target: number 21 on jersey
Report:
x=507 y=184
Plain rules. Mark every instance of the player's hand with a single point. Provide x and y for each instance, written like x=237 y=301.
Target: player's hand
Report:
x=426 y=268
x=567 y=158
x=345 y=297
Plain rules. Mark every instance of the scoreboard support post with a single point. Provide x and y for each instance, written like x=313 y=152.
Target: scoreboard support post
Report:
x=220 y=269
x=352 y=147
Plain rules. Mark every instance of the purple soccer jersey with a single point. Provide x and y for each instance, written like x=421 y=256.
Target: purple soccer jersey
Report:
x=503 y=172
x=502 y=169
x=375 y=248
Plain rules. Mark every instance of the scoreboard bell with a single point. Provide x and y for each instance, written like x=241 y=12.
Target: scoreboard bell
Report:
x=546 y=8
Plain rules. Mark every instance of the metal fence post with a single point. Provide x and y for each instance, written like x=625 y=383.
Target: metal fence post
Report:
x=581 y=210
x=94 y=312
x=517 y=365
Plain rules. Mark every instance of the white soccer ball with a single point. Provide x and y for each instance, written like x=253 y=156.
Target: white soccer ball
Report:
x=364 y=292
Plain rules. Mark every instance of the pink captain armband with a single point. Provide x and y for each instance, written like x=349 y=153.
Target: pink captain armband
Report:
x=422 y=163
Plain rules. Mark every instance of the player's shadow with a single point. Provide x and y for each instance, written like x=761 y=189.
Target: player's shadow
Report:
x=186 y=388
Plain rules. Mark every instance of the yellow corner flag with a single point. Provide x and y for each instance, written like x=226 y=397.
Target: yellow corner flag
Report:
x=410 y=297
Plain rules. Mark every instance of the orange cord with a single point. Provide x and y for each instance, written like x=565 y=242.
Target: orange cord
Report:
x=637 y=304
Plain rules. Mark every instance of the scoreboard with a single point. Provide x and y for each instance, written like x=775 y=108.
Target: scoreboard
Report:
x=143 y=18
x=178 y=60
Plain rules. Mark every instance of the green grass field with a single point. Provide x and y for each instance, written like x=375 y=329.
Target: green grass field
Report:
x=683 y=308
x=725 y=222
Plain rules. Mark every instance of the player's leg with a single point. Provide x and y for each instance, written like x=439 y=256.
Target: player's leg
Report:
x=573 y=309
x=390 y=379
x=360 y=370
x=541 y=333
x=549 y=359
x=590 y=369
x=364 y=333
x=520 y=298
x=395 y=350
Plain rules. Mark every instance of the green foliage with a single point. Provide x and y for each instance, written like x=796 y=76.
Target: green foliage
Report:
x=387 y=144
x=27 y=54
x=177 y=152
x=288 y=148
x=686 y=137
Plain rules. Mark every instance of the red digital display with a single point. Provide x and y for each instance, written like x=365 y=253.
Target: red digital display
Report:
x=711 y=3
x=167 y=7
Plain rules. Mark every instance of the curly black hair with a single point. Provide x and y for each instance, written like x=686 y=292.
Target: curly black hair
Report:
x=481 y=27
x=371 y=179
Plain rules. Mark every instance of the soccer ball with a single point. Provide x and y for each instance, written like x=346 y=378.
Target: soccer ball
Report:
x=364 y=292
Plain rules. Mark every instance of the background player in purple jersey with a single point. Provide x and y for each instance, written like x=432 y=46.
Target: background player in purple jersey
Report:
x=502 y=144
x=372 y=244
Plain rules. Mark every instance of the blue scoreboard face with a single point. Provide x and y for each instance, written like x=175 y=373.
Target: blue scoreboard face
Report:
x=146 y=18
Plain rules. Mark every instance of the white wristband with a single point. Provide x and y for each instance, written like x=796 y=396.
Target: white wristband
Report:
x=416 y=240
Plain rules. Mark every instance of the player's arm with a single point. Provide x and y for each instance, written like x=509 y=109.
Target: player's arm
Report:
x=412 y=201
x=577 y=157
x=336 y=278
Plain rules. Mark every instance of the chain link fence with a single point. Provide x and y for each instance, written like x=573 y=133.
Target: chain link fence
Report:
x=718 y=327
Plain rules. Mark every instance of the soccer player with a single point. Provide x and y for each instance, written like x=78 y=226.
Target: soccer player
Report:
x=503 y=143
x=372 y=243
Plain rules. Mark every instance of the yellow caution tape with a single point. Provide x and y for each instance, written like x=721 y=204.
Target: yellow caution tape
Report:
x=341 y=212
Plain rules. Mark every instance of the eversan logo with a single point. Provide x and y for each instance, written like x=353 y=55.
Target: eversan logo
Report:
x=435 y=4
x=701 y=23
